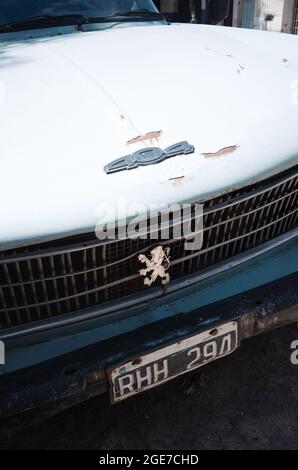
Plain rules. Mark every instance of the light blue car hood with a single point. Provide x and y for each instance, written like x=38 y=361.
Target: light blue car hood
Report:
x=70 y=104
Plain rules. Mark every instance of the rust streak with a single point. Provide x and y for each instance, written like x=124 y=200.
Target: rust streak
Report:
x=151 y=136
x=222 y=152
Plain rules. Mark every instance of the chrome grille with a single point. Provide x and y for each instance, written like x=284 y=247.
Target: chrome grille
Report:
x=52 y=279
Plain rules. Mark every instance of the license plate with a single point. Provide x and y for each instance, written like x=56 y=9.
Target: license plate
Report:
x=162 y=365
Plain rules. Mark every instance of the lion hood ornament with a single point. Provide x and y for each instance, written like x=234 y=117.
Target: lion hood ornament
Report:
x=157 y=266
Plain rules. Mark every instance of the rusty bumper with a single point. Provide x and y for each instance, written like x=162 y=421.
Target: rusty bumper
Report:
x=40 y=391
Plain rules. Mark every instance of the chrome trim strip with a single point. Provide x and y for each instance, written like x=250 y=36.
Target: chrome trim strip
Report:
x=154 y=293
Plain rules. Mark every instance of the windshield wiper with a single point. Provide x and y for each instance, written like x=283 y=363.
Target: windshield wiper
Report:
x=133 y=15
x=141 y=13
x=54 y=20
x=43 y=20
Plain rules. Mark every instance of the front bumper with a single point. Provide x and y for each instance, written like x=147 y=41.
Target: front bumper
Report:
x=51 y=386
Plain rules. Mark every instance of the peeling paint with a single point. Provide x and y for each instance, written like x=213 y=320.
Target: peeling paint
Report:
x=222 y=152
x=150 y=136
x=177 y=181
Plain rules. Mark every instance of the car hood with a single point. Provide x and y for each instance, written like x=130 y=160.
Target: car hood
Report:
x=70 y=104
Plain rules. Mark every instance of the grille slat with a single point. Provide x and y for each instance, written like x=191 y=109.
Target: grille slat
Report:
x=104 y=260
x=94 y=273
x=7 y=318
x=44 y=292
x=54 y=282
x=21 y=291
x=65 y=276
x=32 y=284
x=10 y=298
x=73 y=278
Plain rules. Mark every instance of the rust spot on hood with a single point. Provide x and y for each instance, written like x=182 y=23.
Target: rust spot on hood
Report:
x=150 y=136
x=222 y=152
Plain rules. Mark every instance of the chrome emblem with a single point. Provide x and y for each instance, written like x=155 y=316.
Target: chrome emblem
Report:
x=157 y=266
x=148 y=156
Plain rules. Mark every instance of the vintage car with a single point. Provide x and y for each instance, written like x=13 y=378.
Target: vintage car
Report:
x=108 y=110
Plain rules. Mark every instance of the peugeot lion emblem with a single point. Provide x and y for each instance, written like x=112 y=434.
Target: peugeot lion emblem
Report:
x=157 y=266
x=148 y=156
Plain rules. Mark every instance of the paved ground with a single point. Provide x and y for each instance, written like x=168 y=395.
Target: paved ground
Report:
x=248 y=400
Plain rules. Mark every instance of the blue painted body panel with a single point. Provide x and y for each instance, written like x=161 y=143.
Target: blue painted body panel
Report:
x=31 y=350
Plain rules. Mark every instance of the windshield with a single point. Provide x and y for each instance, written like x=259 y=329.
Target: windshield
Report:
x=18 y=10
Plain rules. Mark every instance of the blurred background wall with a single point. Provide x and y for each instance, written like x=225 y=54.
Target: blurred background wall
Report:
x=268 y=15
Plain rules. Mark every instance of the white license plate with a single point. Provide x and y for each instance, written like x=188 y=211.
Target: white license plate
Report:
x=162 y=365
